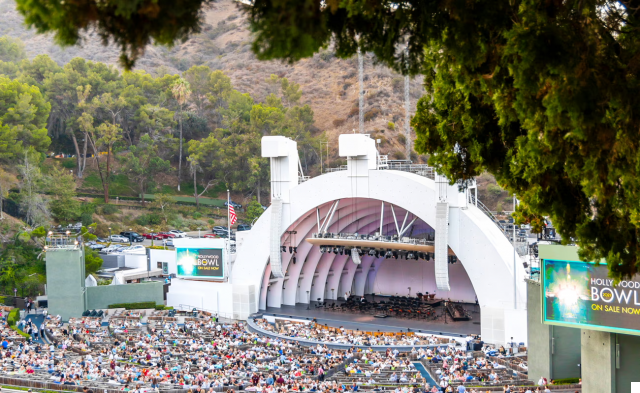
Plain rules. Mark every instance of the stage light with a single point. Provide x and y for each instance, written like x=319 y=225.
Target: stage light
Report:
x=294 y=260
x=410 y=256
x=335 y=250
x=321 y=250
x=290 y=250
x=372 y=252
x=389 y=254
x=295 y=249
x=284 y=248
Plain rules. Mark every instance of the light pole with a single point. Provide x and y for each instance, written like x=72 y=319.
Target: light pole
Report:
x=199 y=228
x=109 y=234
x=130 y=238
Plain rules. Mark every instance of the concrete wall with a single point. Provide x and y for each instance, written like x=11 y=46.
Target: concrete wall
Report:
x=104 y=295
x=65 y=282
x=598 y=366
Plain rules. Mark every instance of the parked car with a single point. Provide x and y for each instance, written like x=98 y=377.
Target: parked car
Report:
x=211 y=236
x=168 y=242
x=119 y=239
x=243 y=227
x=102 y=240
x=167 y=235
x=132 y=236
x=113 y=248
x=95 y=246
x=155 y=236
x=232 y=203
x=178 y=233
x=219 y=228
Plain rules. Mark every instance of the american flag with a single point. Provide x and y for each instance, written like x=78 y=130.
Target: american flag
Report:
x=232 y=215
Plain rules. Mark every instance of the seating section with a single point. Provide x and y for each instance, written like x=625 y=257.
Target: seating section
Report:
x=145 y=350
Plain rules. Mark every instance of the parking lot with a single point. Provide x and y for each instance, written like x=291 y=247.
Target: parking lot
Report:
x=147 y=242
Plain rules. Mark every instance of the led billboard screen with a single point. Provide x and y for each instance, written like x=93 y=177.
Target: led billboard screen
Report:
x=580 y=294
x=204 y=263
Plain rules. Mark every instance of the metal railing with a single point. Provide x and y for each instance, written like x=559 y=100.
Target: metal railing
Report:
x=404 y=166
x=220 y=315
x=485 y=210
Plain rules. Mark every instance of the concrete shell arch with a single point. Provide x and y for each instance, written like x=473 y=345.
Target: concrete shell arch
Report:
x=485 y=253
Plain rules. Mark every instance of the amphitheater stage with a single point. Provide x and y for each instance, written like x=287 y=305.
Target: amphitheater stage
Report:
x=368 y=322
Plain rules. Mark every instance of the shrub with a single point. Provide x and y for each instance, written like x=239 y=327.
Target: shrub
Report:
x=402 y=139
x=13 y=317
x=338 y=122
x=494 y=189
x=196 y=215
x=133 y=306
x=391 y=125
x=566 y=381
x=149 y=219
x=397 y=83
x=372 y=114
x=109 y=209
x=69 y=163
x=353 y=111
x=163 y=307
x=398 y=155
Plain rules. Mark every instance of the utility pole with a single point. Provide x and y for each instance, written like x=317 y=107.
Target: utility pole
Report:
x=361 y=86
x=407 y=128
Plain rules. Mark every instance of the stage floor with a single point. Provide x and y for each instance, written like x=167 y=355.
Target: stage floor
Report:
x=368 y=322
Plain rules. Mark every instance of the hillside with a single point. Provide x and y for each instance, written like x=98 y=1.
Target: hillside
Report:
x=330 y=85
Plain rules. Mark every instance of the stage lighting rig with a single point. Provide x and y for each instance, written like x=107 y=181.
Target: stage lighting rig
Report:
x=284 y=248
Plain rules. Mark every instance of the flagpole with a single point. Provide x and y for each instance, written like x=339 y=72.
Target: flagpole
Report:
x=228 y=234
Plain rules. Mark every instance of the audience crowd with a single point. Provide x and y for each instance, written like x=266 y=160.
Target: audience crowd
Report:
x=203 y=355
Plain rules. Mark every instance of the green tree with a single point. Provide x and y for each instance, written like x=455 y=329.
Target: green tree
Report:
x=25 y=111
x=254 y=209
x=61 y=187
x=11 y=50
x=181 y=92
x=142 y=164
x=165 y=203
x=32 y=203
x=102 y=139
x=291 y=92
x=92 y=261
x=203 y=154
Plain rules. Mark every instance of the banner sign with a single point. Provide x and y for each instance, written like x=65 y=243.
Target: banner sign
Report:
x=200 y=263
x=580 y=294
